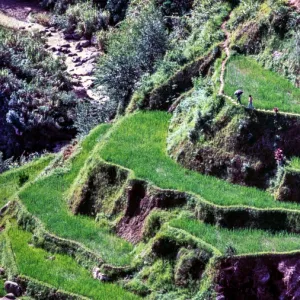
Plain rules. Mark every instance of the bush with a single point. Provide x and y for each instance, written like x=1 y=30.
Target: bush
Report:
x=84 y=18
x=129 y=56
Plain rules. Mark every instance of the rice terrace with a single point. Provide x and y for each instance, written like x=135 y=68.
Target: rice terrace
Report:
x=150 y=149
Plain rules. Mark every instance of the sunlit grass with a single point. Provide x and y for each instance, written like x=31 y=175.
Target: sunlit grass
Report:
x=45 y=199
x=268 y=89
x=243 y=241
x=11 y=181
x=295 y=163
x=63 y=272
x=138 y=142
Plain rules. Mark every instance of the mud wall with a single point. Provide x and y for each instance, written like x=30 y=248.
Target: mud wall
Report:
x=238 y=145
x=289 y=189
x=264 y=277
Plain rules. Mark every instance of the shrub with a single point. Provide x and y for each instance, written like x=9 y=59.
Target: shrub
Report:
x=117 y=9
x=129 y=56
x=84 y=18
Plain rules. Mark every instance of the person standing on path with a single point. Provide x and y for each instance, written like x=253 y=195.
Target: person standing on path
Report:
x=250 y=103
x=238 y=95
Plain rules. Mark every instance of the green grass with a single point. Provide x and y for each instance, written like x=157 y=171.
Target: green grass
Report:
x=45 y=199
x=244 y=241
x=138 y=142
x=63 y=272
x=268 y=89
x=295 y=163
x=11 y=181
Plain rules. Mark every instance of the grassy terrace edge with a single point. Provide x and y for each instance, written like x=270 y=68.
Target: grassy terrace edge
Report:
x=52 y=211
x=279 y=217
x=21 y=259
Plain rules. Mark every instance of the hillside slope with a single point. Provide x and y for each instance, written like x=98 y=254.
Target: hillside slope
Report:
x=186 y=193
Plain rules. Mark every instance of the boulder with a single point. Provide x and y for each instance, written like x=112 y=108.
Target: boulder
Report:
x=2 y=271
x=76 y=36
x=12 y=287
x=68 y=36
x=4 y=209
x=94 y=41
x=99 y=276
x=66 y=45
x=84 y=44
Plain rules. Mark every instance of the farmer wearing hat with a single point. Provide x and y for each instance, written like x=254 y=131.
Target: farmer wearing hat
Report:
x=238 y=95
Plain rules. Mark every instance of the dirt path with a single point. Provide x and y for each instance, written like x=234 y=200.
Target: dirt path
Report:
x=227 y=52
x=79 y=55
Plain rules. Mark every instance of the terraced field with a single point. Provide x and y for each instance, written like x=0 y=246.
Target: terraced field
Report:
x=65 y=275
x=164 y=232
x=52 y=208
x=267 y=88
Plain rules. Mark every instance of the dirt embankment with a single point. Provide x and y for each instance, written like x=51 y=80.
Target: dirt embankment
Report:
x=239 y=145
x=140 y=202
x=264 y=277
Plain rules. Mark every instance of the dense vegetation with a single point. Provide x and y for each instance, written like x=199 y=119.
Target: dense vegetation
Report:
x=36 y=103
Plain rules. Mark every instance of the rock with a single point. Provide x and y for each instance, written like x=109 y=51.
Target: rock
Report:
x=2 y=271
x=9 y=296
x=79 y=64
x=48 y=34
x=42 y=31
x=76 y=36
x=72 y=54
x=52 y=29
x=12 y=287
x=100 y=276
x=68 y=36
x=78 y=46
x=46 y=46
x=80 y=92
x=76 y=59
x=84 y=44
x=4 y=208
x=65 y=50
x=94 y=41
x=66 y=45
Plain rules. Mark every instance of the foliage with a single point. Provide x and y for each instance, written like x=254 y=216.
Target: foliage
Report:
x=268 y=89
x=9 y=181
x=191 y=37
x=36 y=103
x=129 y=56
x=117 y=9
x=84 y=18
